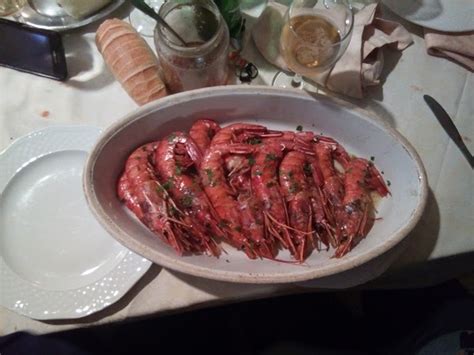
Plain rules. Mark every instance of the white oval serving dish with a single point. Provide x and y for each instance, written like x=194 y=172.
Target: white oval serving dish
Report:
x=277 y=109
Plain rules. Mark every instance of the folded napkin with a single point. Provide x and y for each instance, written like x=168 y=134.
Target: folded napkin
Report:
x=361 y=64
x=458 y=47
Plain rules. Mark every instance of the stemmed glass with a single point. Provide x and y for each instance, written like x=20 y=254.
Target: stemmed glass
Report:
x=315 y=35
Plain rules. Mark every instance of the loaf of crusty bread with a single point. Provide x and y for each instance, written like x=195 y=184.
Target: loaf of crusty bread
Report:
x=130 y=60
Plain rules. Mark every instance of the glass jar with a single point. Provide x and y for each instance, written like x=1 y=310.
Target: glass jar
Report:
x=203 y=61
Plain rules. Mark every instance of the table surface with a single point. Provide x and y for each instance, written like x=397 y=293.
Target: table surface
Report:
x=92 y=97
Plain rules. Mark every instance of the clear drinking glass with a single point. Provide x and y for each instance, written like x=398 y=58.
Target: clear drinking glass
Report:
x=314 y=37
x=253 y=7
x=144 y=24
x=9 y=7
x=203 y=61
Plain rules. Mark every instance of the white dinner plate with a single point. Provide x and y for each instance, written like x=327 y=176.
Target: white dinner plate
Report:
x=56 y=261
x=441 y=15
x=47 y=14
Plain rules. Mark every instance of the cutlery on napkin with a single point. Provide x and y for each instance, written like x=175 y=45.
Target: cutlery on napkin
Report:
x=458 y=47
x=361 y=64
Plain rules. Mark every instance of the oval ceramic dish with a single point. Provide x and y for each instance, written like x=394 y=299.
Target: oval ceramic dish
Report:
x=276 y=109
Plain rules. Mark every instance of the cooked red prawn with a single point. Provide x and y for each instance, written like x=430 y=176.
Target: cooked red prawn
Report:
x=185 y=189
x=139 y=188
x=301 y=141
x=125 y=193
x=238 y=133
x=296 y=192
x=266 y=188
x=332 y=185
x=238 y=173
x=260 y=190
x=202 y=131
x=360 y=178
x=323 y=219
x=222 y=196
x=252 y=215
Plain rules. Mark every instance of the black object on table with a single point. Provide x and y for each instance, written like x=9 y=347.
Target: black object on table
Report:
x=352 y=323
x=449 y=126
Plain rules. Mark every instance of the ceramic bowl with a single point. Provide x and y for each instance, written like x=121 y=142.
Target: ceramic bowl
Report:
x=275 y=108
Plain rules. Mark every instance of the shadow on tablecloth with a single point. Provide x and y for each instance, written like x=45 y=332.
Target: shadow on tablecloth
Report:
x=87 y=71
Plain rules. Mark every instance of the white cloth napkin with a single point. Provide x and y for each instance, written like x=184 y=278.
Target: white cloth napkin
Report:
x=361 y=64
x=458 y=47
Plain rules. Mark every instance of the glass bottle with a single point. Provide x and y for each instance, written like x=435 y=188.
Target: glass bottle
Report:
x=230 y=10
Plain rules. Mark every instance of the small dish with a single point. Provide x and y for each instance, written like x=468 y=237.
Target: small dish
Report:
x=49 y=15
x=441 y=15
x=56 y=261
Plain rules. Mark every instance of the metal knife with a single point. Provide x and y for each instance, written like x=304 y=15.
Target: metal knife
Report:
x=448 y=125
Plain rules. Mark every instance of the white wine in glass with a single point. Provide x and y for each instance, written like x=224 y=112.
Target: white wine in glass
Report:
x=307 y=43
x=314 y=37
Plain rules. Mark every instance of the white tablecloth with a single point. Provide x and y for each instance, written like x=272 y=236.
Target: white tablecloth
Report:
x=92 y=97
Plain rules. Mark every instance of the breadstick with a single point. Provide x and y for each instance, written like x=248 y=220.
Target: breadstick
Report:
x=130 y=60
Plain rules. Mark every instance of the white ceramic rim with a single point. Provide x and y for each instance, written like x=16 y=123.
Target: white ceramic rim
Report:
x=175 y=263
x=135 y=268
x=32 y=17
x=435 y=24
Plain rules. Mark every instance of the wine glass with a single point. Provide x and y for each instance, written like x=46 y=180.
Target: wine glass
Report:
x=315 y=35
x=144 y=24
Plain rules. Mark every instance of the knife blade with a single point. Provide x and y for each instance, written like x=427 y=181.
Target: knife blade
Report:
x=447 y=123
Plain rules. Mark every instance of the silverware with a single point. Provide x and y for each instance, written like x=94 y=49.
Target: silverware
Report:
x=448 y=125
x=142 y=6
